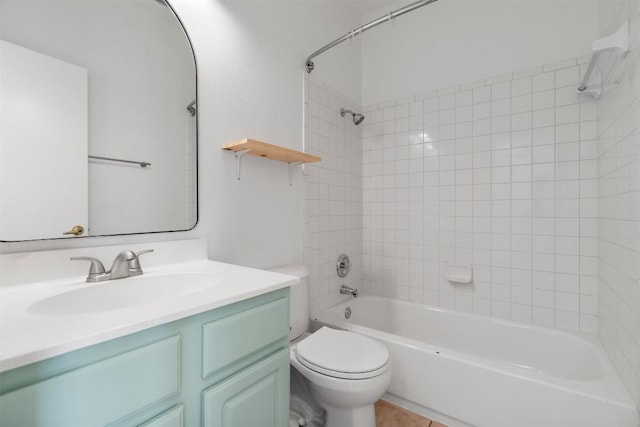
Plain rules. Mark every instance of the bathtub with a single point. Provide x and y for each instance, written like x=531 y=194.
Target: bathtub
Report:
x=464 y=369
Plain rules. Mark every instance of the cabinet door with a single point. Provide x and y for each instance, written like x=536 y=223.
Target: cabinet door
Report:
x=172 y=418
x=255 y=397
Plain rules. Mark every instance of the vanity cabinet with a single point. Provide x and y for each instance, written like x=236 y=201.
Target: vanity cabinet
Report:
x=257 y=396
x=225 y=367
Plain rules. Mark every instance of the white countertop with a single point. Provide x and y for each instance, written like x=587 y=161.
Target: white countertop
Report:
x=27 y=337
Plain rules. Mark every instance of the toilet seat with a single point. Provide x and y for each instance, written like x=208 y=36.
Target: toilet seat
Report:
x=342 y=354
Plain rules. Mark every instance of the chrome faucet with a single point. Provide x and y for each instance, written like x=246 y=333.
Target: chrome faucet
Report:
x=349 y=291
x=126 y=264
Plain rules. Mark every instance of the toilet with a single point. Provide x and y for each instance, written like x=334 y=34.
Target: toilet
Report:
x=346 y=372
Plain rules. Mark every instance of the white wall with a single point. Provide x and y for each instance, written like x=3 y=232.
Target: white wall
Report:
x=250 y=63
x=619 y=198
x=251 y=57
x=453 y=41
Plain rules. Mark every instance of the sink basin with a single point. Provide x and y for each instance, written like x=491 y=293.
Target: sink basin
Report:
x=125 y=293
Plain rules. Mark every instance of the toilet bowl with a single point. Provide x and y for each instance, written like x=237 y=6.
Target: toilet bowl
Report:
x=347 y=372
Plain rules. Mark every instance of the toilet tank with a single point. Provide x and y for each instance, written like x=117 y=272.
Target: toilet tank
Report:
x=299 y=302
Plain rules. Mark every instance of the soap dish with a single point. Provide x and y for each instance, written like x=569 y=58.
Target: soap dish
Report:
x=459 y=273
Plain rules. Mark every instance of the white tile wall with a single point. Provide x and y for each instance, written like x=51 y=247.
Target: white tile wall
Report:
x=533 y=185
x=333 y=193
x=618 y=244
x=500 y=174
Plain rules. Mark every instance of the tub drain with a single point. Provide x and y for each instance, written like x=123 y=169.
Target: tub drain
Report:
x=347 y=313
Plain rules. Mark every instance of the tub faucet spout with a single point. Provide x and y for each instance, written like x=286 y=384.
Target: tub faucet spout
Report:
x=348 y=291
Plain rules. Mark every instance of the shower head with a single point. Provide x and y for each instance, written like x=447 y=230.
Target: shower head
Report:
x=357 y=117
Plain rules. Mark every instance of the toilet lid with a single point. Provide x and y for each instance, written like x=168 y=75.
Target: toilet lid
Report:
x=343 y=354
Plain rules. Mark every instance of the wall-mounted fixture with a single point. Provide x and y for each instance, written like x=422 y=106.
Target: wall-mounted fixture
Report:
x=111 y=159
x=270 y=151
x=309 y=65
x=617 y=42
x=80 y=105
x=191 y=108
x=357 y=117
x=343 y=266
x=459 y=273
x=345 y=290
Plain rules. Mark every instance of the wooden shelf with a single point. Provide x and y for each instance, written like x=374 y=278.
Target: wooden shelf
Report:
x=270 y=151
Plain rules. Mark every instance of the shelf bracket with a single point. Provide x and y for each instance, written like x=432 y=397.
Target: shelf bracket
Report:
x=238 y=155
x=291 y=165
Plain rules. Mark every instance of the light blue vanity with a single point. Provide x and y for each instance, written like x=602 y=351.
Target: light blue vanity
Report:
x=215 y=357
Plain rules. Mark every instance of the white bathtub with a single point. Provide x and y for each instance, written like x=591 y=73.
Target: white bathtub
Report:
x=474 y=370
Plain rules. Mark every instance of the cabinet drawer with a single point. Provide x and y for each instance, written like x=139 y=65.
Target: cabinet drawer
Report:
x=100 y=393
x=257 y=396
x=234 y=342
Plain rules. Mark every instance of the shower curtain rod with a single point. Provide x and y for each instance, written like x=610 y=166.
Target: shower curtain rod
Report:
x=357 y=31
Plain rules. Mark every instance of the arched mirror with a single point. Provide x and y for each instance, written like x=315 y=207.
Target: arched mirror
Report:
x=98 y=119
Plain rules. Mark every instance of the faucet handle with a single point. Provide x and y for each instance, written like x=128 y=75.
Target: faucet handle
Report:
x=146 y=251
x=134 y=266
x=95 y=271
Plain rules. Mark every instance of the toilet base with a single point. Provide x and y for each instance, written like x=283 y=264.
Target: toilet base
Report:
x=363 y=416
